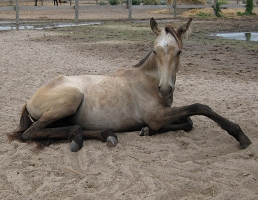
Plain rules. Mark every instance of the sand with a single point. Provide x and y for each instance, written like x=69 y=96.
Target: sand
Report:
x=205 y=163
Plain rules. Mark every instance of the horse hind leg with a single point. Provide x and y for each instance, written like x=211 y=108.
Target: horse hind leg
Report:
x=46 y=130
x=39 y=132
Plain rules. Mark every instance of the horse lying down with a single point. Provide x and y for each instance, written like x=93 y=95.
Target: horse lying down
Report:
x=137 y=98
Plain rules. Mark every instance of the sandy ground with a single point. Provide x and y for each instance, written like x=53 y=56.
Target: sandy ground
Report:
x=205 y=163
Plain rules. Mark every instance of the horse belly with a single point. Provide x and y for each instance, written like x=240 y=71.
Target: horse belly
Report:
x=112 y=111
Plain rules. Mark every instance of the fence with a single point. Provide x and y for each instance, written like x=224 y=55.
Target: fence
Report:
x=14 y=6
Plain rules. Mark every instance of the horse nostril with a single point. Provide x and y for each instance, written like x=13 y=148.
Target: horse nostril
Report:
x=159 y=88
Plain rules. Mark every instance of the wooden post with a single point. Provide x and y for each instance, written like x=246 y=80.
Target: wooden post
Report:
x=17 y=12
x=171 y=6
x=76 y=7
x=175 y=7
x=130 y=8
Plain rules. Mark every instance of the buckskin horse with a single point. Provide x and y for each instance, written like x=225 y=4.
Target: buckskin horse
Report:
x=137 y=98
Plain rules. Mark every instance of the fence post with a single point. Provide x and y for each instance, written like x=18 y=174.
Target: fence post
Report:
x=76 y=7
x=175 y=7
x=17 y=12
x=130 y=8
x=171 y=6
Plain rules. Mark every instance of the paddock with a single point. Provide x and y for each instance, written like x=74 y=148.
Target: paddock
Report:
x=205 y=163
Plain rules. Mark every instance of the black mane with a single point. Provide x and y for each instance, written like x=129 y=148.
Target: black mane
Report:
x=143 y=60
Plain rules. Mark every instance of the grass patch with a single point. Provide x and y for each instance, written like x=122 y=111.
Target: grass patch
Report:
x=111 y=31
x=204 y=15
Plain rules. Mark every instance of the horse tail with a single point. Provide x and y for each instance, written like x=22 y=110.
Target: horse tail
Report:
x=25 y=123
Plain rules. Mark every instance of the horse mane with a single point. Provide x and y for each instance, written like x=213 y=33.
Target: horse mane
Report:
x=142 y=60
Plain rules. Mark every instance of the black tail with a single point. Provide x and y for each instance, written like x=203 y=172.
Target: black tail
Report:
x=25 y=123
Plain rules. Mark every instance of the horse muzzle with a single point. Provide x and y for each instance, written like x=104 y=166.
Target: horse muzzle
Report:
x=166 y=92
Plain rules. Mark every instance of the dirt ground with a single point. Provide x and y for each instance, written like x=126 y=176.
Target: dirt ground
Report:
x=205 y=163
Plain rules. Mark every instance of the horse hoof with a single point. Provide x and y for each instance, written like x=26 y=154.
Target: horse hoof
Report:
x=245 y=143
x=189 y=125
x=74 y=147
x=188 y=128
x=111 y=141
x=76 y=143
x=145 y=131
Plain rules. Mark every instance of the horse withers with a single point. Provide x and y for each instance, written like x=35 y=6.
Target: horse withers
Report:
x=137 y=98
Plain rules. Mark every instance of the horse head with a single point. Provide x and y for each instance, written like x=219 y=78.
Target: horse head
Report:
x=167 y=49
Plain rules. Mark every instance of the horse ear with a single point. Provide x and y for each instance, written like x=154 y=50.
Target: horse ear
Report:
x=181 y=30
x=154 y=26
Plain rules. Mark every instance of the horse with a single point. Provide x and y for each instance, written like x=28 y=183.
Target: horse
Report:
x=55 y=2
x=139 y=98
x=36 y=2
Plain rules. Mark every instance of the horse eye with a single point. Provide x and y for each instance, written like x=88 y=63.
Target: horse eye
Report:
x=179 y=52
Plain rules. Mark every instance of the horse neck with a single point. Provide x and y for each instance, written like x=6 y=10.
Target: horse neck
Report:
x=148 y=65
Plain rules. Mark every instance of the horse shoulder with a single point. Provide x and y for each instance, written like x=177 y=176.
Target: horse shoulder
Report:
x=146 y=97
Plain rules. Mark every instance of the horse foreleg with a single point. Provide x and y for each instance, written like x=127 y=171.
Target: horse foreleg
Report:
x=184 y=124
x=170 y=115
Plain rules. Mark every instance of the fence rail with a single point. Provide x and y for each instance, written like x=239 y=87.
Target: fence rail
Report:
x=14 y=6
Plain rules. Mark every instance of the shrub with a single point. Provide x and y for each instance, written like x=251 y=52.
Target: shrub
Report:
x=151 y=2
x=102 y=3
x=114 y=2
x=217 y=8
x=134 y=2
x=248 y=8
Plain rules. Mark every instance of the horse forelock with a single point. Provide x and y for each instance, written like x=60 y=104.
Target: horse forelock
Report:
x=172 y=31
